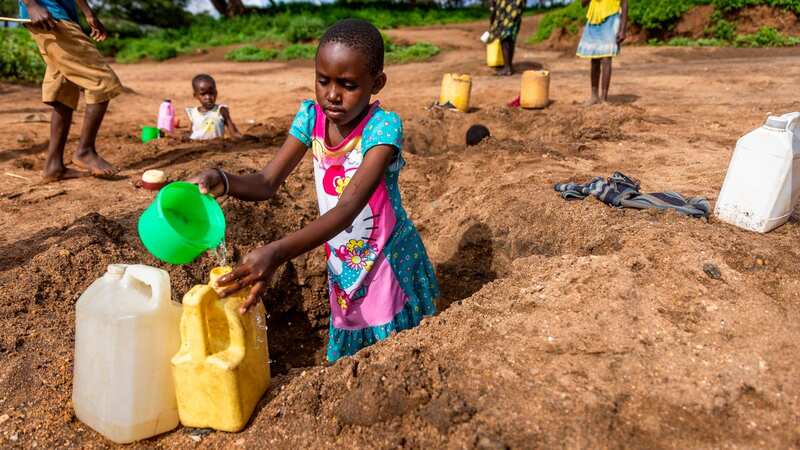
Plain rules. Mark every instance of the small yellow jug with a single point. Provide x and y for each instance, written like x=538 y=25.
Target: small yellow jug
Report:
x=222 y=368
x=535 y=89
x=456 y=89
x=494 y=54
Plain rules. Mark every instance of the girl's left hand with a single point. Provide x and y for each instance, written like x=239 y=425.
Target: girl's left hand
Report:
x=621 y=36
x=256 y=270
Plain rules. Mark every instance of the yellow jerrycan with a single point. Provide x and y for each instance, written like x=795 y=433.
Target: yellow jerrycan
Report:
x=494 y=54
x=535 y=89
x=222 y=368
x=456 y=89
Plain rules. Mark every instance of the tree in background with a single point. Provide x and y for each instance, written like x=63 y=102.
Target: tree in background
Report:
x=159 y=13
x=8 y=8
x=229 y=8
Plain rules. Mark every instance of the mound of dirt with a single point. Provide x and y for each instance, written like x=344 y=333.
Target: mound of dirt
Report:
x=751 y=19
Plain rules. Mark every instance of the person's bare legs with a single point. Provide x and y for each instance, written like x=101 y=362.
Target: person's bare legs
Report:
x=86 y=156
x=606 y=69
x=60 y=123
x=595 y=78
x=508 y=57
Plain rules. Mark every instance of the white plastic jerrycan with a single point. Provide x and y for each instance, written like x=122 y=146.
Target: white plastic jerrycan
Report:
x=126 y=330
x=762 y=185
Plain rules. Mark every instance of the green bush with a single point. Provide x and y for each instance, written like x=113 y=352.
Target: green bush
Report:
x=655 y=15
x=570 y=17
x=721 y=28
x=420 y=51
x=304 y=28
x=251 y=53
x=282 y=24
x=299 y=51
x=155 y=49
x=20 y=59
x=733 y=5
x=766 y=37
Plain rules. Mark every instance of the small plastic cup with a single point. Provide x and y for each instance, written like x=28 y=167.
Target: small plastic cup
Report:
x=181 y=224
x=150 y=133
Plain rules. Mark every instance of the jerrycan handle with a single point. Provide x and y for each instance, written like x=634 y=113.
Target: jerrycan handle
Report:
x=157 y=279
x=794 y=121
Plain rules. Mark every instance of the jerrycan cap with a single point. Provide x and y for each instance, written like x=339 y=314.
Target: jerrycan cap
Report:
x=777 y=123
x=116 y=270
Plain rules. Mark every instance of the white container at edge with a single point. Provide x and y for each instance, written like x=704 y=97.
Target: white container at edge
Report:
x=126 y=330
x=762 y=184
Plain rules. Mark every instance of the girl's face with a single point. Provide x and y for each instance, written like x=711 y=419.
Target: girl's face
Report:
x=344 y=84
x=206 y=94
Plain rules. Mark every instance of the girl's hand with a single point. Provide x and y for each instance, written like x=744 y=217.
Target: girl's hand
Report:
x=621 y=35
x=256 y=270
x=210 y=182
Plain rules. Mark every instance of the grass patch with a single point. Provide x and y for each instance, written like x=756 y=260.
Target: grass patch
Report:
x=299 y=51
x=766 y=37
x=421 y=51
x=251 y=53
x=395 y=54
x=20 y=59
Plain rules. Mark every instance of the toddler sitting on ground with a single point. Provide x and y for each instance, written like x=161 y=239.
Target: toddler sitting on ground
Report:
x=209 y=119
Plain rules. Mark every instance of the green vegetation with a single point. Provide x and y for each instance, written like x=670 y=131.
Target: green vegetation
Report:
x=394 y=53
x=570 y=17
x=19 y=57
x=421 y=51
x=282 y=25
x=251 y=53
x=766 y=37
x=657 y=17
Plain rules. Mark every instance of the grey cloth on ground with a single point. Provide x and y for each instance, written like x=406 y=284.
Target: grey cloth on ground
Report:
x=621 y=191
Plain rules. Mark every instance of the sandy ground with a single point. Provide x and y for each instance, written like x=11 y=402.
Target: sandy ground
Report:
x=567 y=325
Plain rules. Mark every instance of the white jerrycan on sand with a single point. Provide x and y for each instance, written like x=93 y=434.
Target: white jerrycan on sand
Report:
x=762 y=185
x=126 y=330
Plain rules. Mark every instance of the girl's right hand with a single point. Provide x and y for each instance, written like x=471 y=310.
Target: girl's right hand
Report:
x=210 y=182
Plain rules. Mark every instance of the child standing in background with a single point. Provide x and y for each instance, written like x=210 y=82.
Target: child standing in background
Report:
x=379 y=277
x=602 y=36
x=73 y=64
x=209 y=120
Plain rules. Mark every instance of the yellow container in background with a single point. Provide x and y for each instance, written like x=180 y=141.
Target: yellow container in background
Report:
x=494 y=54
x=535 y=89
x=456 y=89
x=222 y=368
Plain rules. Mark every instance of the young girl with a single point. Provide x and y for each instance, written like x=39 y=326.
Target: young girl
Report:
x=209 y=119
x=379 y=276
x=602 y=36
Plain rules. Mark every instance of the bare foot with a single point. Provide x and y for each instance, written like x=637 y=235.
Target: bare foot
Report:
x=60 y=173
x=592 y=101
x=91 y=161
x=504 y=72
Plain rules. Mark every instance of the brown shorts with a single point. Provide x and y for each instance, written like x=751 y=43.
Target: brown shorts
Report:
x=73 y=64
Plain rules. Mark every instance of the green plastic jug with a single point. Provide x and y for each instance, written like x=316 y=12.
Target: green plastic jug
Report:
x=181 y=224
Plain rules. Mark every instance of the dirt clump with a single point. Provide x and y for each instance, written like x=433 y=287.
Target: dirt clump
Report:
x=693 y=23
x=752 y=18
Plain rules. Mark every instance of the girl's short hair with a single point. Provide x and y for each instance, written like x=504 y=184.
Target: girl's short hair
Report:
x=359 y=35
